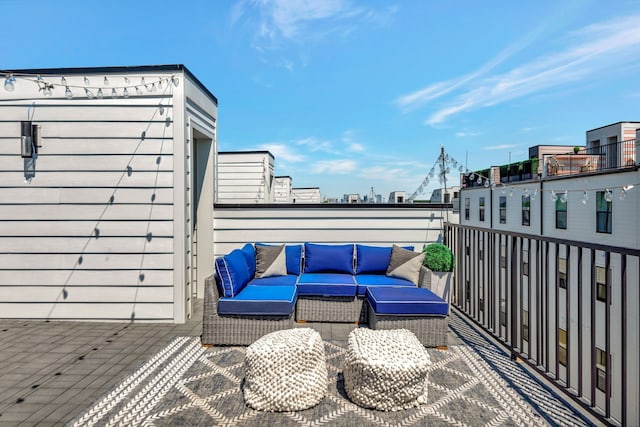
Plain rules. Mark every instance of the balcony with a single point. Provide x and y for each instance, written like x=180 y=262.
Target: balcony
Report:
x=600 y=158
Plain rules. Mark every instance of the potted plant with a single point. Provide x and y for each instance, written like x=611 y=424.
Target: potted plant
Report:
x=440 y=261
x=576 y=149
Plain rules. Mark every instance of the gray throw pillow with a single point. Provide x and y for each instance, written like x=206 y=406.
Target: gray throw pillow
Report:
x=270 y=261
x=405 y=264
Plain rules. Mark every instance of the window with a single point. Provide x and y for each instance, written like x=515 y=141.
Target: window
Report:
x=561 y=213
x=562 y=273
x=481 y=210
x=603 y=211
x=562 y=346
x=467 y=207
x=601 y=283
x=526 y=209
x=447 y=198
x=503 y=209
x=601 y=369
x=525 y=325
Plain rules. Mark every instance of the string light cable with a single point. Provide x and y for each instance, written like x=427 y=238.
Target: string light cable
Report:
x=91 y=89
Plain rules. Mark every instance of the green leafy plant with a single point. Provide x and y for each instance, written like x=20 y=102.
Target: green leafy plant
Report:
x=438 y=257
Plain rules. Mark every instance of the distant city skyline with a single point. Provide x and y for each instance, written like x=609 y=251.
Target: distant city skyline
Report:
x=350 y=95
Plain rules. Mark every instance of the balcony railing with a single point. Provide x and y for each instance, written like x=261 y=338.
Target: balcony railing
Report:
x=616 y=155
x=567 y=309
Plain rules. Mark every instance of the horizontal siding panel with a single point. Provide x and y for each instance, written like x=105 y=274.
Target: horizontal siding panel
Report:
x=89 y=179
x=91 y=163
x=86 y=277
x=322 y=224
x=86 y=245
x=91 y=110
x=94 y=129
x=139 y=294
x=61 y=146
x=311 y=212
x=86 y=212
x=86 y=228
x=35 y=195
x=88 y=311
x=89 y=261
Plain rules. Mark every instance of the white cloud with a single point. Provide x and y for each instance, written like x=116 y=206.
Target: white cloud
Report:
x=466 y=134
x=315 y=144
x=339 y=167
x=500 y=147
x=282 y=151
x=597 y=49
x=355 y=147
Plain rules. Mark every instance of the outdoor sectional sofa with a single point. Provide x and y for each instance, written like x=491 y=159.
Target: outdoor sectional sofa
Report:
x=264 y=288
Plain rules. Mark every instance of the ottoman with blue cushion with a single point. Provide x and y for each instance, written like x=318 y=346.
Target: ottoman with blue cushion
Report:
x=416 y=309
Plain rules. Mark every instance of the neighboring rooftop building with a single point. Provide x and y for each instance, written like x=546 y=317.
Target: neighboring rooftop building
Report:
x=245 y=177
x=397 y=197
x=305 y=195
x=560 y=251
x=283 y=189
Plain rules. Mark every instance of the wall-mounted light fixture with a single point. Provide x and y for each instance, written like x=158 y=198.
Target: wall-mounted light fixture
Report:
x=28 y=139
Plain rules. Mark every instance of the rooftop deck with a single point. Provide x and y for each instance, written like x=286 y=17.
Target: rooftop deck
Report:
x=52 y=372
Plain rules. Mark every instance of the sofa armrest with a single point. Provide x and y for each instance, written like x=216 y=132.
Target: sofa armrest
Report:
x=211 y=297
x=424 y=280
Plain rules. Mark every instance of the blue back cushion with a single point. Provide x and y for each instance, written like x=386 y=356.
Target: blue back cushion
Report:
x=328 y=258
x=233 y=272
x=373 y=259
x=293 y=253
x=250 y=256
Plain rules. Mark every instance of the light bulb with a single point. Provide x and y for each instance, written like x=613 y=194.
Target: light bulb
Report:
x=554 y=196
x=175 y=81
x=534 y=194
x=68 y=93
x=138 y=90
x=608 y=196
x=585 y=197
x=39 y=79
x=106 y=81
x=125 y=93
x=511 y=192
x=99 y=95
x=47 y=90
x=160 y=84
x=86 y=80
x=9 y=83
x=471 y=177
x=126 y=80
x=503 y=189
x=526 y=192
x=461 y=168
x=63 y=81
x=486 y=183
x=142 y=83
x=493 y=185
x=114 y=94
x=153 y=87
x=161 y=109
x=89 y=93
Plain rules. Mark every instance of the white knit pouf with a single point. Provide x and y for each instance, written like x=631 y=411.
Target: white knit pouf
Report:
x=386 y=369
x=285 y=371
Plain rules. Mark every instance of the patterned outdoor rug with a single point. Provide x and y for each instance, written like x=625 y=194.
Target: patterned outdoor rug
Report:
x=185 y=384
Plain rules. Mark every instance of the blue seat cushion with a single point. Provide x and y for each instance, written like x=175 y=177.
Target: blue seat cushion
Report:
x=260 y=300
x=328 y=258
x=288 y=280
x=406 y=301
x=293 y=254
x=366 y=280
x=373 y=259
x=327 y=284
x=233 y=272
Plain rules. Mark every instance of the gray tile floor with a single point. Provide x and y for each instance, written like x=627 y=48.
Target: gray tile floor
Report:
x=51 y=371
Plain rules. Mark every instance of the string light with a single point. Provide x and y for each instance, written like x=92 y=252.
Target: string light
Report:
x=47 y=87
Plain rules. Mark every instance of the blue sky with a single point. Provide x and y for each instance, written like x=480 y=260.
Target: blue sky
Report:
x=350 y=95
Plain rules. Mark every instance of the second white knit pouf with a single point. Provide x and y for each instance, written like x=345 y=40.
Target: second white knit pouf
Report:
x=386 y=369
x=285 y=371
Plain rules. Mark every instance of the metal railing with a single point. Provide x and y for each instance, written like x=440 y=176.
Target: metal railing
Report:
x=617 y=155
x=568 y=309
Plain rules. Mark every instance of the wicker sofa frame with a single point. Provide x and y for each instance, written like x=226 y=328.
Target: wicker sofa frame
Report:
x=244 y=330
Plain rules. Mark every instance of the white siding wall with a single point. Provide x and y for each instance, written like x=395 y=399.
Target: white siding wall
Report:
x=282 y=189
x=581 y=217
x=99 y=230
x=305 y=195
x=335 y=224
x=245 y=177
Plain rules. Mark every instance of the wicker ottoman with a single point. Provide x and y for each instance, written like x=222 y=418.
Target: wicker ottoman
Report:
x=285 y=371
x=386 y=370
